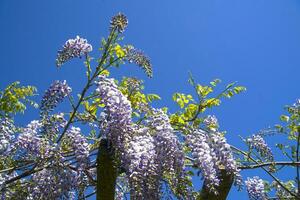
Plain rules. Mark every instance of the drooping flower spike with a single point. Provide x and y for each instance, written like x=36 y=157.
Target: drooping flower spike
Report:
x=73 y=48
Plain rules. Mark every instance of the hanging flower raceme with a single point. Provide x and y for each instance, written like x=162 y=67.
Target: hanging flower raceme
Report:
x=56 y=182
x=118 y=126
x=256 y=189
x=6 y=134
x=168 y=147
x=258 y=143
x=139 y=58
x=54 y=95
x=211 y=122
x=73 y=48
x=169 y=153
x=79 y=145
x=212 y=153
x=224 y=155
x=142 y=167
x=31 y=144
x=205 y=157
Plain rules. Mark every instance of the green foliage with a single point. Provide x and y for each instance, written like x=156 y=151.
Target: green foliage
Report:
x=190 y=109
x=14 y=97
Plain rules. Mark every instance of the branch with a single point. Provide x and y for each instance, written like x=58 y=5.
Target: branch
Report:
x=226 y=181
x=280 y=163
x=106 y=173
x=267 y=171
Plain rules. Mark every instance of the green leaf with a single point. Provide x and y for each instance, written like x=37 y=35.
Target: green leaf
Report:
x=284 y=118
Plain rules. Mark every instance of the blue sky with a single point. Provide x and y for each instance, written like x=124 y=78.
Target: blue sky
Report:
x=254 y=42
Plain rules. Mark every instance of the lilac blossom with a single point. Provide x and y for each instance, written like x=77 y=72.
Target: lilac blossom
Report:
x=54 y=95
x=255 y=188
x=258 y=143
x=73 y=48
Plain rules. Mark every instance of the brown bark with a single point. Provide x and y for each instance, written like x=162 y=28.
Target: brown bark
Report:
x=106 y=173
x=223 y=189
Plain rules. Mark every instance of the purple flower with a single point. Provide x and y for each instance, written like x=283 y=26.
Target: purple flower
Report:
x=258 y=143
x=142 y=169
x=54 y=95
x=117 y=123
x=73 y=48
x=119 y=23
x=211 y=122
x=169 y=153
x=79 y=145
x=255 y=188
x=139 y=58
x=212 y=153
x=52 y=183
x=224 y=155
x=205 y=157
x=6 y=134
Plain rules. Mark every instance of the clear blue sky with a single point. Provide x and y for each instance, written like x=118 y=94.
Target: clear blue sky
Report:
x=254 y=42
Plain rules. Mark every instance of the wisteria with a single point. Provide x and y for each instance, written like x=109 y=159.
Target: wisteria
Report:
x=111 y=141
x=6 y=134
x=224 y=155
x=54 y=95
x=143 y=170
x=31 y=144
x=258 y=143
x=212 y=153
x=79 y=145
x=52 y=183
x=139 y=58
x=204 y=156
x=256 y=189
x=118 y=112
x=73 y=48
x=167 y=144
x=211 y=122
x=119 y=22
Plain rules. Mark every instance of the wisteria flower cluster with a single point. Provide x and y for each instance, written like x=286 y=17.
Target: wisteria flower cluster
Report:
x=6 y=134
x=31 y=144
x=139 y=58
x=142 y=169
x=52 y=183
x=167 y=144
x=119 y=22
x=118 y=128
x=211 y=122
x=212 y=153
x=256 y=189
x=258 y=143
x=73 y=48
x=80 y=147
x=54 y=95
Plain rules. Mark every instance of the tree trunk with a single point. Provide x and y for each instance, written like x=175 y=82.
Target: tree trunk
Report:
x=223 y=189
x=106 y=172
